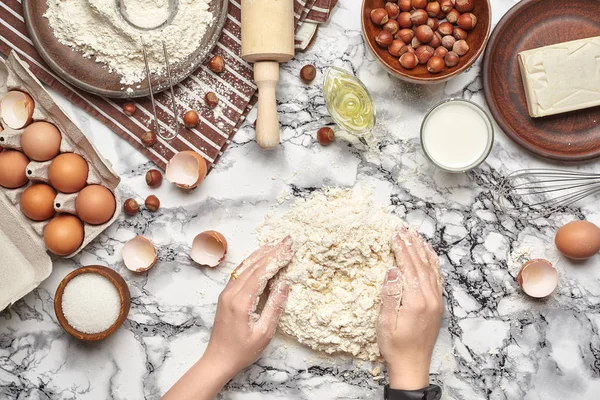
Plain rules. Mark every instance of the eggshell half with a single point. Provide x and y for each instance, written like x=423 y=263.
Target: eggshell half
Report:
x=578 y=240
x=538 y=278
x=209 y=248
x=186 y=169
x=139 y=254
x=16 y=109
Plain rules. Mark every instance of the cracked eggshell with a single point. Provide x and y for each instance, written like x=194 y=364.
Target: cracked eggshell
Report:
x=139 y=254
x=209 y=248
x=16 y=109
x=538 y=278
x=186 y=169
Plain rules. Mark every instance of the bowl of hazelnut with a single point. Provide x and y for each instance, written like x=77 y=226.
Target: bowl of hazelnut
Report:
x=425 y=41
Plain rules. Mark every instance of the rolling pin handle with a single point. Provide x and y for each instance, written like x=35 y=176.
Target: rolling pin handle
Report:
x=266 y=75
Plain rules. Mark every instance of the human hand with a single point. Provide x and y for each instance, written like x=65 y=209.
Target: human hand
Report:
x=411 y=311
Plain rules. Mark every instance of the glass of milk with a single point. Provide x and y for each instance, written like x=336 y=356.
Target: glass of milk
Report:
x=457 y=135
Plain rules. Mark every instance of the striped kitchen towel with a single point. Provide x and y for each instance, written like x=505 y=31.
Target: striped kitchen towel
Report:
x=235 y=88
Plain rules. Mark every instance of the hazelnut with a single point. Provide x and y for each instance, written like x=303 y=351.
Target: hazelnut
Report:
x=436 y=41
x=451 y=59
x=409 y=60
x=461 y=48
x=211 y=99
x=446 y=28
x=406 y=49
x=424 y=53
x=391 y=26
x=406 y=35
x=417 y=4
x=129 y=109
x=467 y=21
x=433 y=23
x=419 y=17
x=452 y=16
x=448 y=42
x=153 y=178
x=459 y=33
x=435 y=65
x=379 y=16
x=152 y=203
x=415 y=43
x=433 y=9
x=217 y=64
x=404 y=20
x=464 y=6
x=405 y=5
x=325 y=136
x=191 y=119
x=424 y=34
x=440 y=52
x=392 y=9
x=131 y=207
x=384 y=39
x=308 y=73
x=395 y=47
x=446 y=6
x=149 y=138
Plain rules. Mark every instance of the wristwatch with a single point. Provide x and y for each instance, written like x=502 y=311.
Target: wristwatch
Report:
x=431 y=392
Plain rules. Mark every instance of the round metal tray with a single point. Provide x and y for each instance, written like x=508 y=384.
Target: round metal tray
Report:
x=93 y=77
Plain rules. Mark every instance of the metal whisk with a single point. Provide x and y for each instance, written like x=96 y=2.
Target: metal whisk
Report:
x=173 y=6
x=534 y=193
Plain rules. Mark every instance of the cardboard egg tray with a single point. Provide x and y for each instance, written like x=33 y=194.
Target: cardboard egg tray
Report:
x=24 y=263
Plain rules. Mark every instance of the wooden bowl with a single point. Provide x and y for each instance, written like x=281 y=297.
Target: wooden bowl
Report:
x=476 y=39
x=115 y=279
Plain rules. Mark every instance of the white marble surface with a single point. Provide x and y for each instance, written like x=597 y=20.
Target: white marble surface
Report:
x=495 y=342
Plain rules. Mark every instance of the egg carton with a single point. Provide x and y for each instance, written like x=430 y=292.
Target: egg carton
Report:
x=14 y=226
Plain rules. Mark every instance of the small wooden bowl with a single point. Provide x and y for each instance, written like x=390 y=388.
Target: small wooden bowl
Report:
x=115 y=279
x=476 y=39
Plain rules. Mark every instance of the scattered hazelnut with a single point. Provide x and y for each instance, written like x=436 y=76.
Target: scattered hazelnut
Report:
x=424 y=53
x=461 y=48
x=217 y=64
x=446 y=28
x=379 y=16
x=153 y=178
x=409 y=60
x=451 y=59
x=467 y=21
x=406 y=49
x=464 y=6
x=405 y=5
x=446 y=6
x=395 y=47
x=433 y=9
x=129 y=109
x=415 y=43
x=419 y=17
x=452 y=16
x=149 y=138
x=211 y=99
x=404 y=20
x=391 y=26
x=448 y=42
x=436 y=41
x=440 y=52
x=325 y=136
x=393 y=10
x=406 y=35
x=152 y=203
x=459 y=33
x=424 y=34
x=131 y=207
x=417 y=4
x=435 y=64
x=308 y=73
x=191 y=119
x=433 y=23
x=384 y=39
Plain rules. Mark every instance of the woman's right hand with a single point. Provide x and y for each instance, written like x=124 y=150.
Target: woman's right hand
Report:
x=411 y=311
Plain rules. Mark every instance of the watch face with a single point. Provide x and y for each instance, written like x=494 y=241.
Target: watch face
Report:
x=433 y=393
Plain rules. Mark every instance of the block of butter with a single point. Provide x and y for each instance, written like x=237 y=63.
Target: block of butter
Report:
x=562 y=77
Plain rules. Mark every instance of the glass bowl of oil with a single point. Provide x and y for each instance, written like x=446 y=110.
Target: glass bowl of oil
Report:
x=349 y=102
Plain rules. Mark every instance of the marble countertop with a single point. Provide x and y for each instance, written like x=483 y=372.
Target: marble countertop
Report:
x=495 y=342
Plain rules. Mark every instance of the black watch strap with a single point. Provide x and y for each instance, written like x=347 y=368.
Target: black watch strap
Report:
x=431 y=392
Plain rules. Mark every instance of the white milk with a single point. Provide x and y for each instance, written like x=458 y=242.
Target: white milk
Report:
x=457 y=136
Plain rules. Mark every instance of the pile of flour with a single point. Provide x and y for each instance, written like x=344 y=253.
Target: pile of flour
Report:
x=343 y=252
x=96 y=29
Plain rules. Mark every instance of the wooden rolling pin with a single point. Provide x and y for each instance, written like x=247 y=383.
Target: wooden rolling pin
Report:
x=267 y=40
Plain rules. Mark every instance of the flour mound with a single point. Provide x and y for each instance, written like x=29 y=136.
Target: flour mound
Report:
x=343 y=252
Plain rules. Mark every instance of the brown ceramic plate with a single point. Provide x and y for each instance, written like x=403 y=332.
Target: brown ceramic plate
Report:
x=93 y=77
x=476 y=39
x=531 y=24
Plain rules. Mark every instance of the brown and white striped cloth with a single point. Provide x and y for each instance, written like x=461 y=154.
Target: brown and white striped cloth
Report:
x=235 y=87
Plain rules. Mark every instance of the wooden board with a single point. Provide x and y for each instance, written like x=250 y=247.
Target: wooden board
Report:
x=531 y=24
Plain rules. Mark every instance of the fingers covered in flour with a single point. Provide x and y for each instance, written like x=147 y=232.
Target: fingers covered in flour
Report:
x=403 y=260
x=391 y=296
x=267 y=323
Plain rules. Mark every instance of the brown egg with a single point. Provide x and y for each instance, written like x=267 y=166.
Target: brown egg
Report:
x=578 y=240
x=37 y=202
x=63 y=234
x=95 y=204
x=13 y=169
x=41 y=141
x=68 y=173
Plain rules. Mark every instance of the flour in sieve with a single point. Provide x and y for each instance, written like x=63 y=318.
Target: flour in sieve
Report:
x=343 y=252
x=96 y=29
